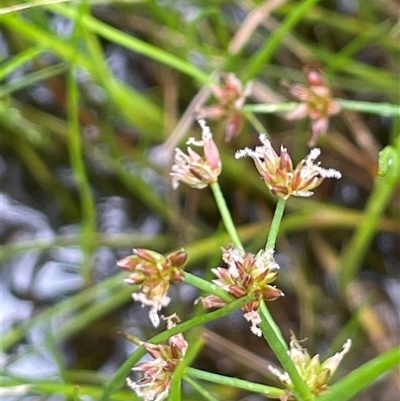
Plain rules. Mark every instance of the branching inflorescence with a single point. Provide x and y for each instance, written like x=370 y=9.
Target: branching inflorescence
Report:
x=246 y=273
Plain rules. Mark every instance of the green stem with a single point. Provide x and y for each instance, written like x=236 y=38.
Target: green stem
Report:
x=76 y=154
x=132 y=43
x=266 y=108
x=262 y=57
x=276 y=222
x=255 y=122
x=235 y=382
x=193 y=349
x=31 y=79
x=369 y=107
x=274 y=340
x=118 y=379
x=8 y=66
x=201 y=390
x=385 y=185
x=206 y=286
x=388 y=109
x=271 y=322
x=226 y=215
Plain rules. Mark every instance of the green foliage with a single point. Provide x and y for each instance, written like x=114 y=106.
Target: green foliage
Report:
x=116 y=133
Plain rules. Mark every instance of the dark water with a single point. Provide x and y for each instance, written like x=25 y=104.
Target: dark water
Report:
x=41 y=276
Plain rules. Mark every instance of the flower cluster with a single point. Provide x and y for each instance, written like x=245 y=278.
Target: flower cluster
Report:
x=317 y=103
x=279 y=175
x=231 y=97
x=157 y=373
x=247 y=273
x=153 y=272
x=314 y=373
x=194 y=170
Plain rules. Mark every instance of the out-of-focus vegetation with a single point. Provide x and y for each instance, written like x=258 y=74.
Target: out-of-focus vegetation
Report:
x=95 y=96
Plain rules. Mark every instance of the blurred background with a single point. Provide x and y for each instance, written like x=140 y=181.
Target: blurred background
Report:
x=95 y=96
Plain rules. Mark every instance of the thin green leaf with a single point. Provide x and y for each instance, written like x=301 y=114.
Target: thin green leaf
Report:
x=134 y=44
x=263 y=56
x=384 y=187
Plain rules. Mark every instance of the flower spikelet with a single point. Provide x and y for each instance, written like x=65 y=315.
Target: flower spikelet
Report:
x=314 y=373
x=153 y=272
x=278 y=173
x=193 y=169
x=157 y=373
x=231 y=96
x=316 y=103
x=247 y=273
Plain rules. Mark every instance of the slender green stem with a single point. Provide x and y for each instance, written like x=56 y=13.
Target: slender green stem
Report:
x=118 y=379
x=257 y=62
x=235 y=382
x=300 y=389
x=369 y=107
x=18 y=60
x=264 y=108
x=130 y=42
x=276 y=222
x=200 y=389
x=76 y=154
x=255 y=122
x=206 y=286
x=385 y=185
x=68 y=306
x=268 y=317
x=54 y=389
x=356 y=105
x=146 y=115
x=193 y=349
x=30 y=79
x=226 y=215
x=175 y=390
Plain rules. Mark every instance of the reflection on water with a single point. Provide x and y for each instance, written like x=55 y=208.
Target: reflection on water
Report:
x=20 y=220
x=34 y=280
x=13 y=309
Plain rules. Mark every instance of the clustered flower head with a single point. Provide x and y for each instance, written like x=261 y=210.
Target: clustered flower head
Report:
x=317 y=103
x=314 y=373
x=279 y=175
x=194 y=170
x=154 y=273
x=231 y=97
x=157 y=373
x=247 y=273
